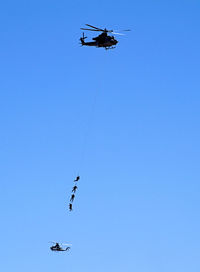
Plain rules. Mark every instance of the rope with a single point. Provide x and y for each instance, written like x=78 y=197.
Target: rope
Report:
x=87 y=130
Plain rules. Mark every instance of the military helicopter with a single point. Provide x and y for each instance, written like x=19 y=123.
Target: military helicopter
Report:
x=103 y=40
x=57 y=247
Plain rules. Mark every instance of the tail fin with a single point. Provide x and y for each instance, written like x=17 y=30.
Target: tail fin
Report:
x=82 y=39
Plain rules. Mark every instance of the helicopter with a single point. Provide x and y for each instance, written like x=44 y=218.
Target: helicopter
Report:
x=103 y=40
x=57 y=247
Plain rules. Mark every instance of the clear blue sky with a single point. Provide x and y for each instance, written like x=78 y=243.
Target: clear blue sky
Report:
x=127 y=120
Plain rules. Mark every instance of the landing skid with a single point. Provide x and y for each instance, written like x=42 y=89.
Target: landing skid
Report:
x=113 y=47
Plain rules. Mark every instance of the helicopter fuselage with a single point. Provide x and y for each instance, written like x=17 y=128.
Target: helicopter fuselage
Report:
x=56 y=248
x=100 y=41
x=59 y=249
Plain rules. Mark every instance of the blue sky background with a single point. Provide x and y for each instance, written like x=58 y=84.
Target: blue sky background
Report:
x=127 y=120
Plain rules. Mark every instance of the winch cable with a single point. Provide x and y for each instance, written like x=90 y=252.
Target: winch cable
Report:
x=84 y=141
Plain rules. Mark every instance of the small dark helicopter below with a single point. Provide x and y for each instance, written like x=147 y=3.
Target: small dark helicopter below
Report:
x=103 y=40
x=57 y=247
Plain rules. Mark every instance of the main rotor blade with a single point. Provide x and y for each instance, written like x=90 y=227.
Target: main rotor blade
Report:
x=115 y=33
x=122 y=30
x=94 y=27
x=90 y=29
x=60 y=243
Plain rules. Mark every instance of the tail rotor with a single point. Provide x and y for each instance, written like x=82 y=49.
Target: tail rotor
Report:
x=82 y=39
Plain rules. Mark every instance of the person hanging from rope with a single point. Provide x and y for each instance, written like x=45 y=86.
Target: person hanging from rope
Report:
x=70 y=207
x=72 y=197
x=77 y=178
x=74 y=189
